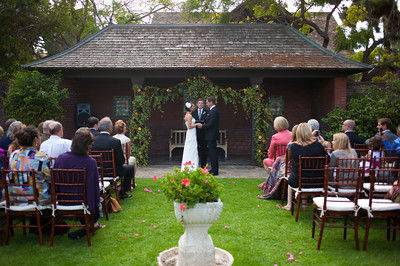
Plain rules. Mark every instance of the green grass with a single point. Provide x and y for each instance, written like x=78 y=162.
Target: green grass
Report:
x=254 y=231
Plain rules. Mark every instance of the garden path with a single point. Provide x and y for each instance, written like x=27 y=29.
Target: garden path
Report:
x=238 y=171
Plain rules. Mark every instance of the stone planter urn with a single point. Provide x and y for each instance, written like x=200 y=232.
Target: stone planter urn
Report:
x=195 y=247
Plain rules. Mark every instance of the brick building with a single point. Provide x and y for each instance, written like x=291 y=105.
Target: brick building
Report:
x=303 y=80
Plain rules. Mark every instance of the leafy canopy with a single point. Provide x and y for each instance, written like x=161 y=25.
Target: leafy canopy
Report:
x=34 y=97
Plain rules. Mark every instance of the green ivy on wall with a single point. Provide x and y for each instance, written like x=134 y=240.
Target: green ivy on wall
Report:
x=149 y=98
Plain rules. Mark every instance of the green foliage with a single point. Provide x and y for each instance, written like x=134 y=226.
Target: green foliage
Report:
x=67 y=25
x=252 y=99
x=191 y=187
x=34 y=97
x=21 y=25
x=374 y=103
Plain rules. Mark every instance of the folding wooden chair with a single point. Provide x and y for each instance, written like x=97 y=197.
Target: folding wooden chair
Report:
x=383 y=183
x=285 y=179
x=109 y=170
x=22 y=201
x=279 y=150
x=379 y=208
x=104 y=186
x=332 y=205
x=347 y=163
x=310 y=180
x=69 y=200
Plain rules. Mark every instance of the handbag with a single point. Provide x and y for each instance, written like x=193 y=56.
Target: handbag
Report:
x=115 y=206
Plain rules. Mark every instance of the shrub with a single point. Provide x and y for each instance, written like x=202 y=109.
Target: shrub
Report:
x=191 y=187
x=34 y=97
x=365 y=108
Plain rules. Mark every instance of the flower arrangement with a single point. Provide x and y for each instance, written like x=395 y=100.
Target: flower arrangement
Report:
x=190 y=187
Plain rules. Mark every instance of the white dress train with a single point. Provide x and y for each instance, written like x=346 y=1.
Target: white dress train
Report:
x=190 y=153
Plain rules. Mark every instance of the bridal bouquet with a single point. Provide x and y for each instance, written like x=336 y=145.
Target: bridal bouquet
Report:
x=189 y=187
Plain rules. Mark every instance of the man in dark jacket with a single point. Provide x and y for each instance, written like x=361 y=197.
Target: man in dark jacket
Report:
x=93 y=124
x=104 y=141
x=348 y=128
x=211 y=125
x=199 y=114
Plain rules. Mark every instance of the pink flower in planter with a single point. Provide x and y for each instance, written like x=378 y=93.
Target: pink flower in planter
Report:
x=186 y=182
x=182 y=207
x=155 y=178
x=188 y=163
x=204 y=170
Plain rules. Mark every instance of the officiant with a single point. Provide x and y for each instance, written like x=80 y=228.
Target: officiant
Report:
x=199 y=114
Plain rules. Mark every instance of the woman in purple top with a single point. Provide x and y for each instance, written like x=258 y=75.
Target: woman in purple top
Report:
x=78 y=158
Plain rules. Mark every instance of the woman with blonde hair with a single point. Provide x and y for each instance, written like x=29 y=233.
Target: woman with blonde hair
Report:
x=341 y=149
x=120 y=130
x=282 y=137
x=305 y=146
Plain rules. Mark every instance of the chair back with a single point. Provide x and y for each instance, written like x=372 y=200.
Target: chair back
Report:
x=68 y=187
x=347 y=176
x=347 y=182
x=108 y=158
x=382 y=177
x=20 y=187
x=279 y=150
x=311 y=171
x=385 y=172
x=99 y=163
x=361 y=146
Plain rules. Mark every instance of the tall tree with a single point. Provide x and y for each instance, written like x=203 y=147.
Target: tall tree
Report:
x=22 y=23
x=373 y=27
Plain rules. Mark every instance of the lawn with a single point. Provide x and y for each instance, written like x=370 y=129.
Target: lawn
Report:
x=254 y=231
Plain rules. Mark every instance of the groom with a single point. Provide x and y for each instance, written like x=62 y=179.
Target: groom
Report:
x=211 y=126
x=199 y=114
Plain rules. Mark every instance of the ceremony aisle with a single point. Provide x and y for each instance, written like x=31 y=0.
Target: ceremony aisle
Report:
x=254 y=231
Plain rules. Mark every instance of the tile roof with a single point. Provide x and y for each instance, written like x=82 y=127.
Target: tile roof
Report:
x=217 y=46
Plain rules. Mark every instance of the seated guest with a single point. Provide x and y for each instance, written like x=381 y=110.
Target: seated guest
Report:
x=273 y=182
x=383 y=127
x=120 y=129
x=282 y=137
x=11 y=140
x=56 y=144
x=104 y=141
x=27 y=158
x=314 y=125
x=348 y=128
x=341 y=149
x=93 y=124
x=375 y=145
x=78 y=158
x=45 y=134
x=395 y=145
x=305 y=146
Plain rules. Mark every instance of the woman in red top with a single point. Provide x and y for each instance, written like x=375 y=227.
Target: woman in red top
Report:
x=282 y=137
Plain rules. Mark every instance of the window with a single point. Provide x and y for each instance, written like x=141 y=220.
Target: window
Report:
x=122 y=106
x=277 y=105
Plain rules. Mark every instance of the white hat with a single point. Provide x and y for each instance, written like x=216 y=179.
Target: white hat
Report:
x=188 y=105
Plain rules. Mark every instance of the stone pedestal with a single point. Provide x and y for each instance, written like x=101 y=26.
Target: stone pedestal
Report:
x=195 y=245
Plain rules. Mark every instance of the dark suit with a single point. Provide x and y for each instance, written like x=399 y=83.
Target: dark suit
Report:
x=211 y=125
x=104 y=141
x=354 y=138
x=201 y=137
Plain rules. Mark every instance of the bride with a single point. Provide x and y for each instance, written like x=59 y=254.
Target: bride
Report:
x=190 y=158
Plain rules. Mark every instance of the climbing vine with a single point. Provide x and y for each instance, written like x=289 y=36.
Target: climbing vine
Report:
x=149 y=98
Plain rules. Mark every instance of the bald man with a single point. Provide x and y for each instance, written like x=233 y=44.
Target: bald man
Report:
x=348 y=128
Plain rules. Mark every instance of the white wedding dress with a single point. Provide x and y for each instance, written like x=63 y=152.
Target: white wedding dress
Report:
x=190 y=153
